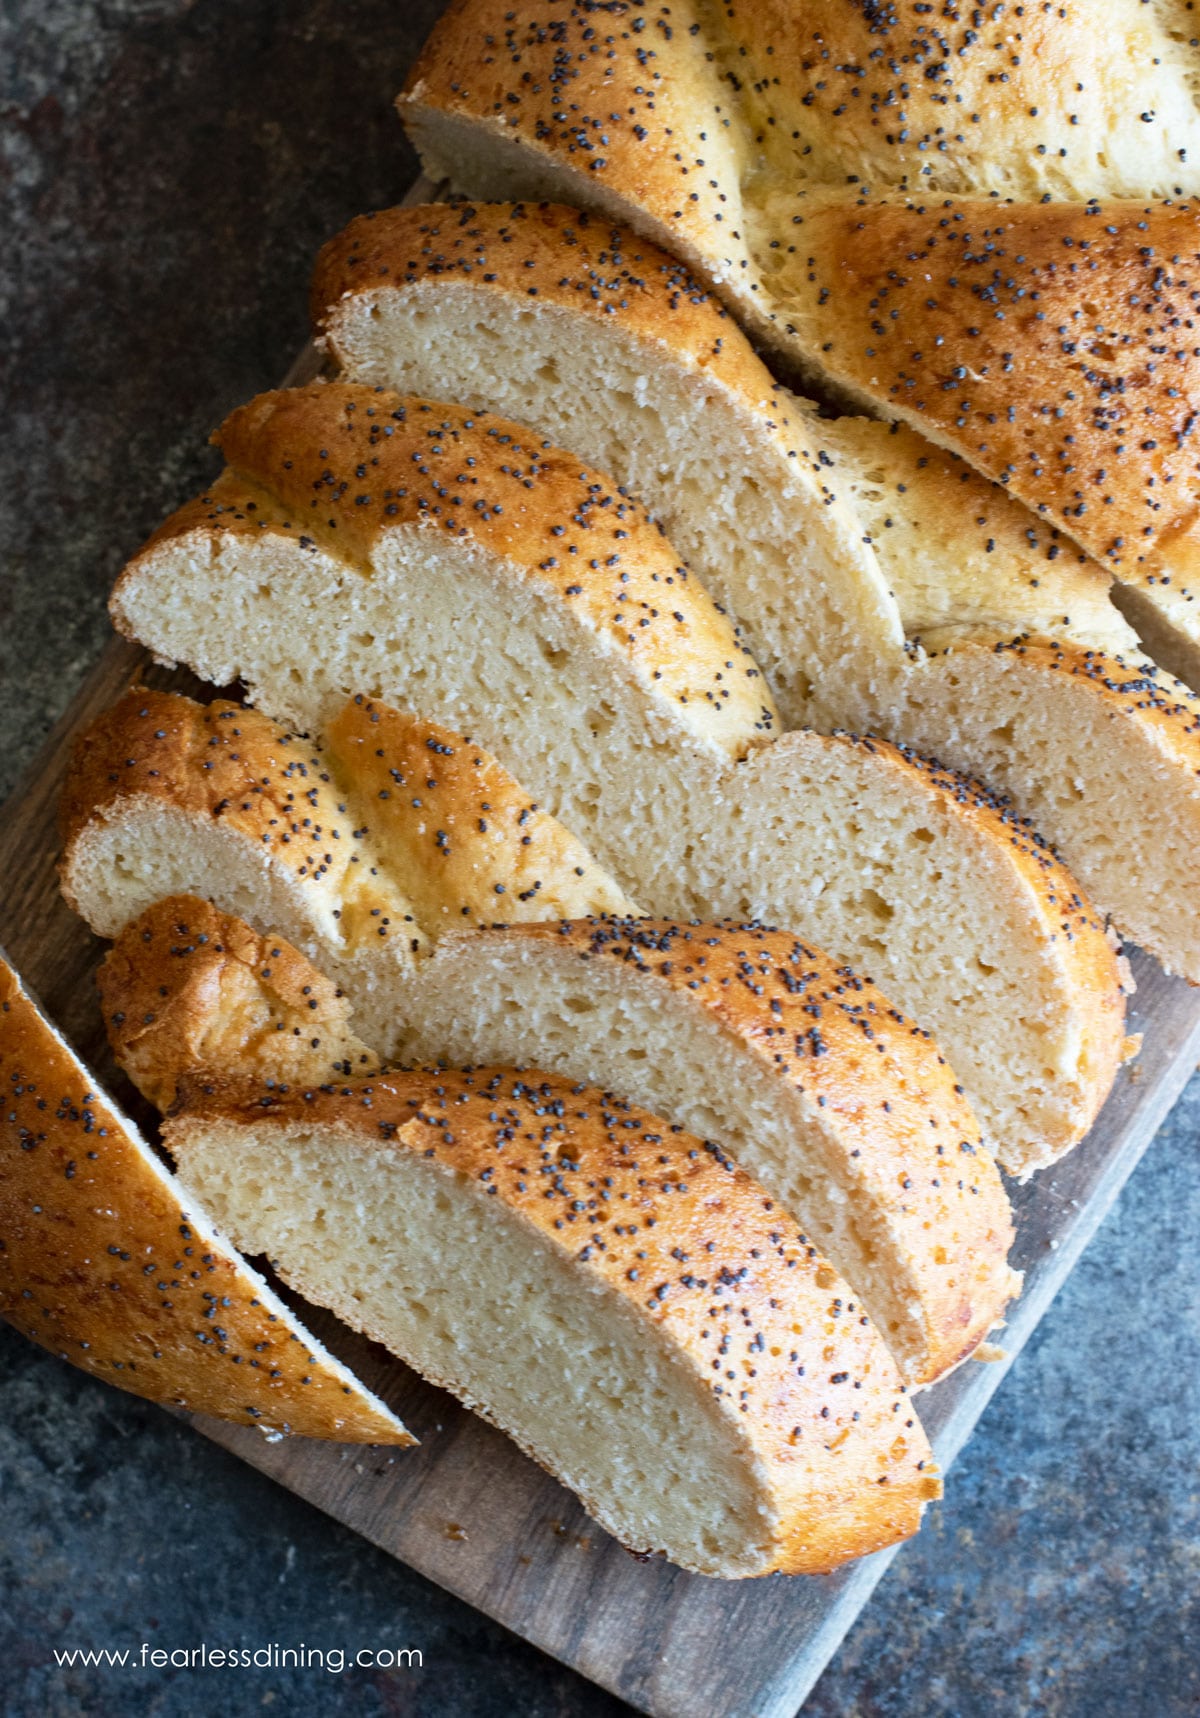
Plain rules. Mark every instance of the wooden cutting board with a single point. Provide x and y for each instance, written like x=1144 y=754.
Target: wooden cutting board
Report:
x=465 y=1508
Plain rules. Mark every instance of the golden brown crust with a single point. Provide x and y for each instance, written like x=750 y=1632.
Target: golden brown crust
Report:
x=1047 y=344
x=470 y=845
x=1022 y=101
x=188 y=991
x=352 y=464
x=890 y=1105
x=187 y=988
x=680 y=1232
x=636 y=84
x=106 y=1264
x=673 y=112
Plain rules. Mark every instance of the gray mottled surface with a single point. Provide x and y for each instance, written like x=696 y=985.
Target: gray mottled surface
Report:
x=166 y=172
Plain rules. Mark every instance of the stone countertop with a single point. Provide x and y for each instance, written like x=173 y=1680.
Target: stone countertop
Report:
x=167 y=171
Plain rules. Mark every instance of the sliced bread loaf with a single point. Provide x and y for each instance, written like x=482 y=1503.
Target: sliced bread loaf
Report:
x=109 y=1262
x=843 y=1110
x=883 y=585
x=904 y=870
x=614 y=1294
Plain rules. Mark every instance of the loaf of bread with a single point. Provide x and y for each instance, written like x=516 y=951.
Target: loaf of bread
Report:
x=657 y=753
x=975 y=223
x=805 y=1074
x=164 y=796
x=630 y=1307
x=883 y=585
x=106 y=1260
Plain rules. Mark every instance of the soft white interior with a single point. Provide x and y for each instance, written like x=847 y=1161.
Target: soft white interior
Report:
x=825 y=837
x=533 y=1004
x=752 y=522
x=471 y=1295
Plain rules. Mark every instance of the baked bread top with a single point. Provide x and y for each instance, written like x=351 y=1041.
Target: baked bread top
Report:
x=1048 y=344
x=470 y=845
x=226 y=763
x=112 y=1265
x=946 y=547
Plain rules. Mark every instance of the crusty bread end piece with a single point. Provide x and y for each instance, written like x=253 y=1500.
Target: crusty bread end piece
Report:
x=111 y=1263
x=617 y=1296
x=187 y=989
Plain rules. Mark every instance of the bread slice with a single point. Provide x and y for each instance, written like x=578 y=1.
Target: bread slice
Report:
x=187 y=988
x=883 y=585
x=109 y=1262
x=901 y=869
x=164 y=796
x=1023 y=671
x=802 y=1071
x=618 y=1297
x=843 y=1110
x=854 y=226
